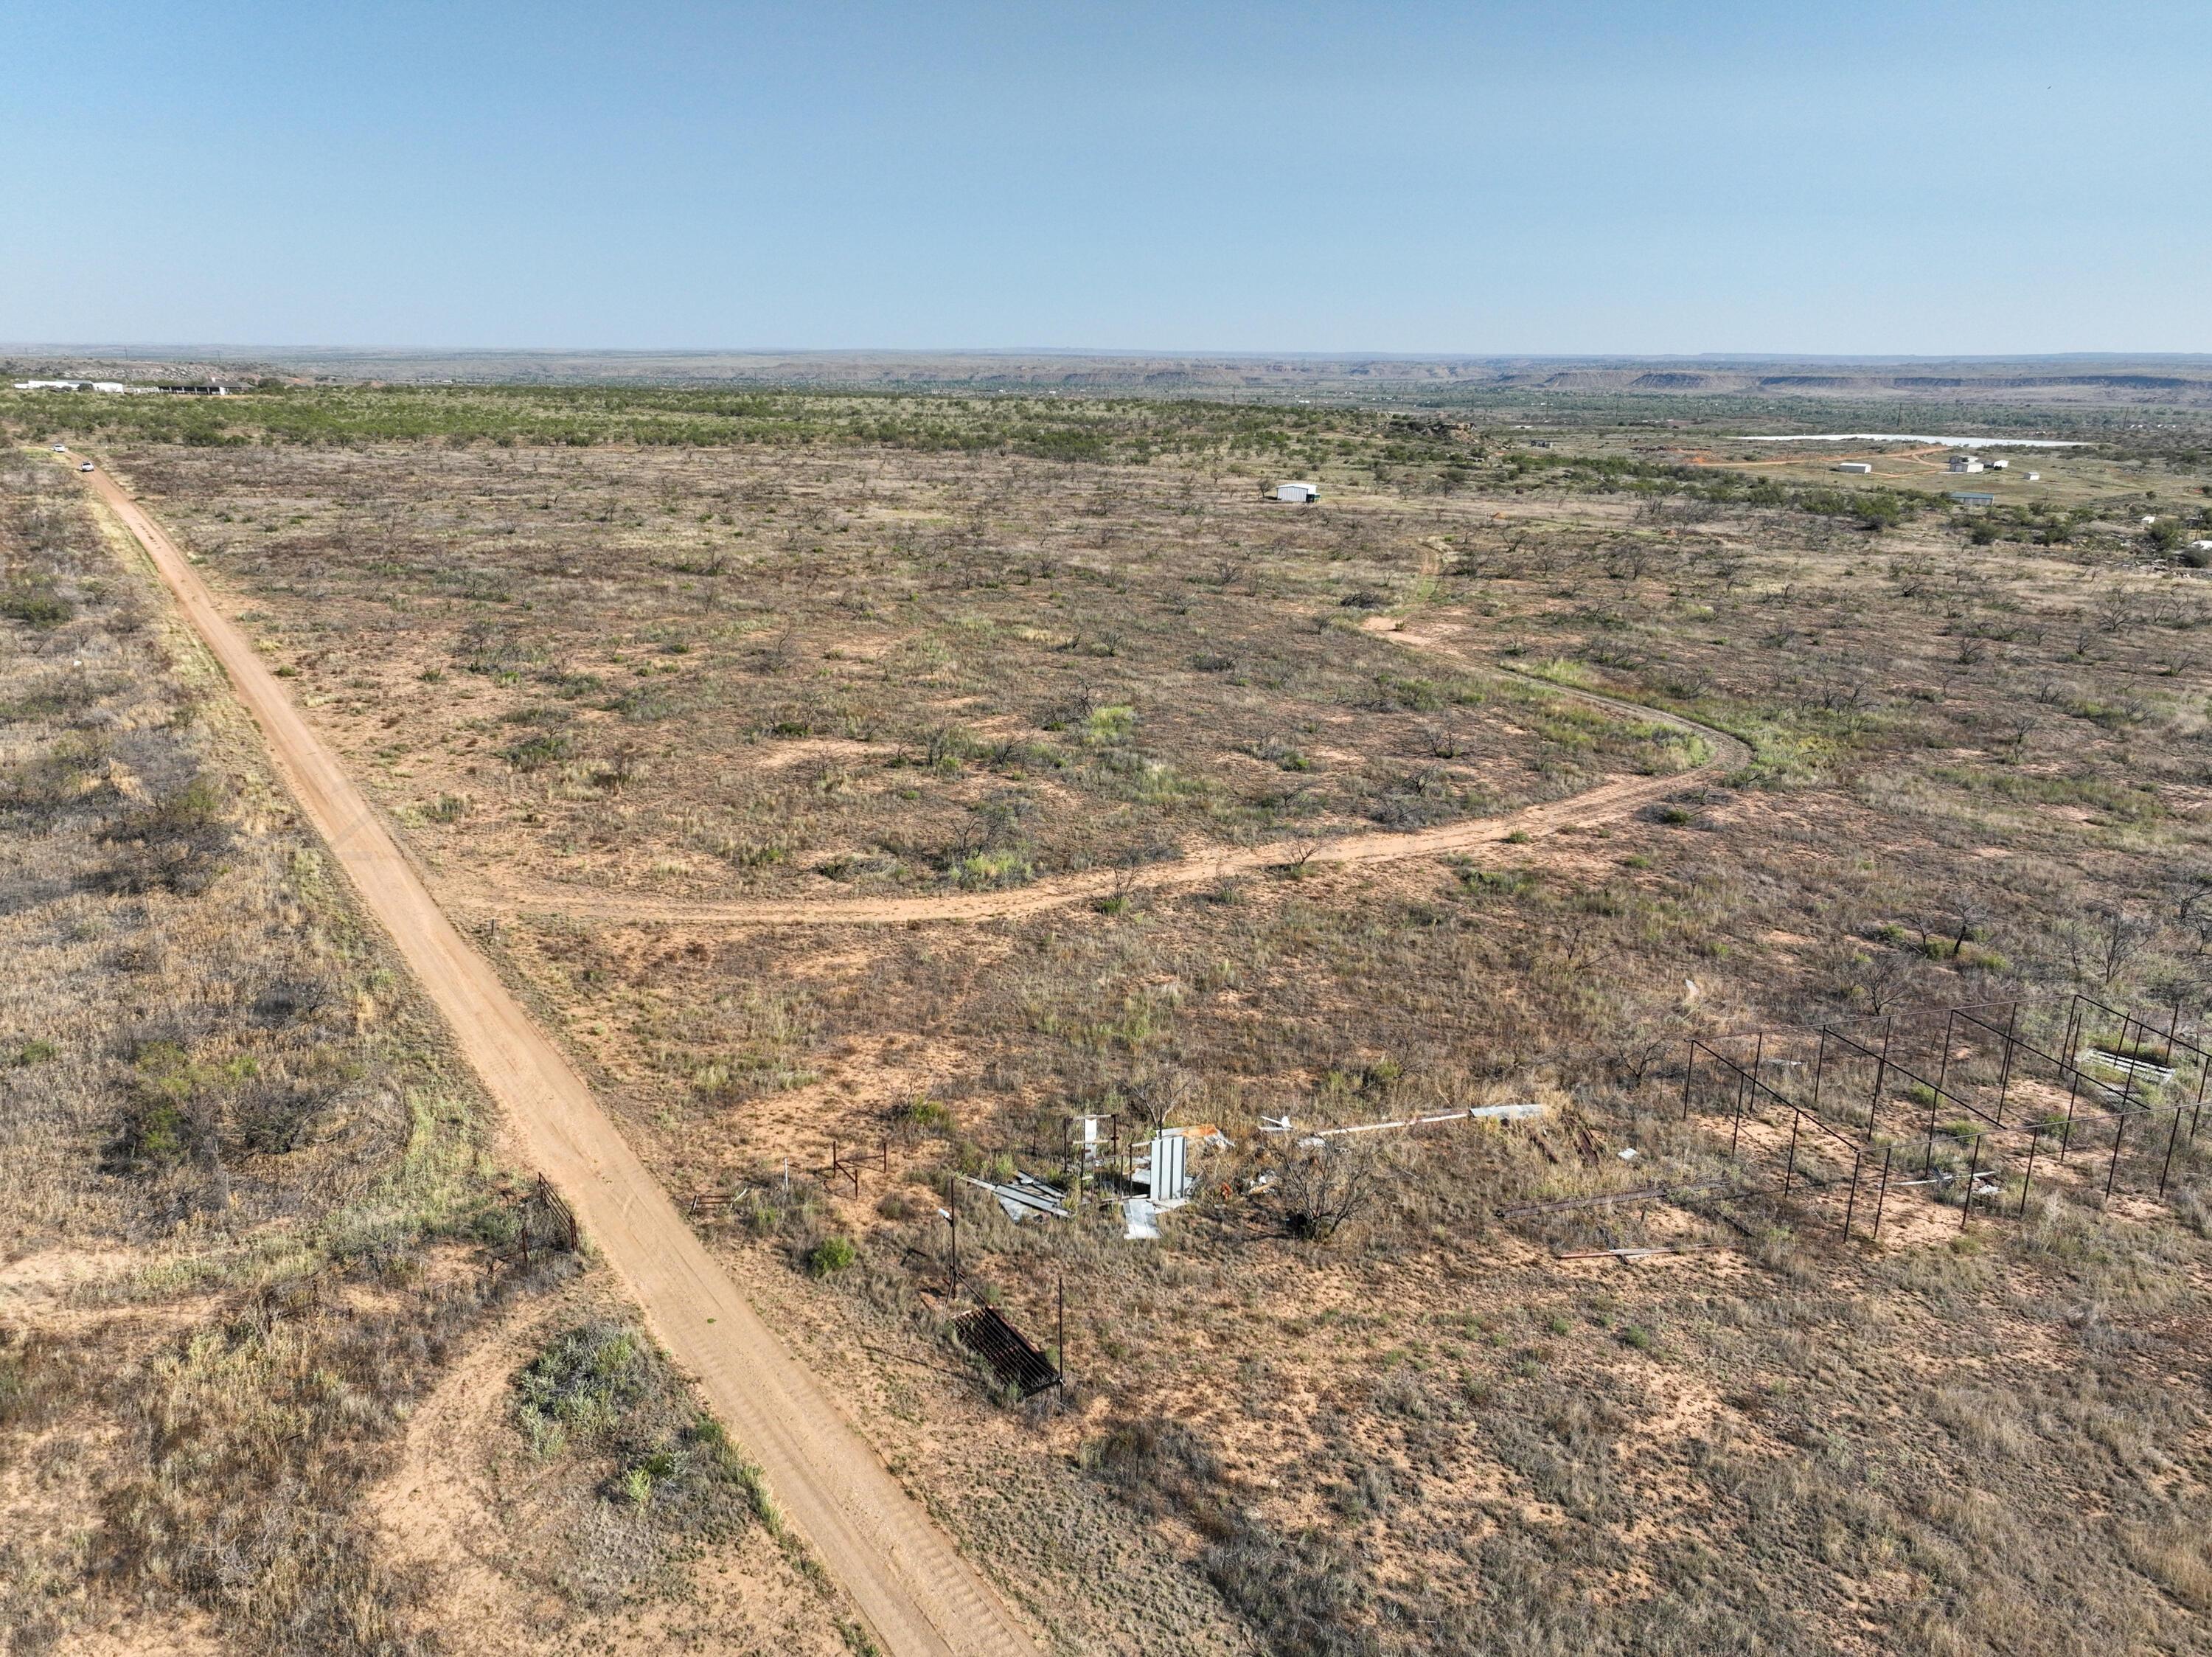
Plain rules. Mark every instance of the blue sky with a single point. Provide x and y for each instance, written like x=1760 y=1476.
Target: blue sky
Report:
x=1480 y=177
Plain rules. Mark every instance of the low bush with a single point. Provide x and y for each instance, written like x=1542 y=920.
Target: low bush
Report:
x=176 y=844
x=536 y=751
x=600 y=1389
x=35 y=604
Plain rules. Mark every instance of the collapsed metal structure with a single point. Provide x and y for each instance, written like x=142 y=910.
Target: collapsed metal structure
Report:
x=1886 y=1102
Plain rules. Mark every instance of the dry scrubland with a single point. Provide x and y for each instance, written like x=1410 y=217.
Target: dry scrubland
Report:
x=829 y=663
x=712 y=673
x=250 y=1219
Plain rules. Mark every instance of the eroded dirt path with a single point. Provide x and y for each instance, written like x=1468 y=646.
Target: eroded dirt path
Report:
x=919 y=1597
x=1607 y=802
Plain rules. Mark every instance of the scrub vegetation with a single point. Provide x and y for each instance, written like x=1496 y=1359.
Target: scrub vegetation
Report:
x=670 y=649
x=251 y=1215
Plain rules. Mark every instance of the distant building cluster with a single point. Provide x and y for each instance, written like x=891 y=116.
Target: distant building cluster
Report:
x=117 y=385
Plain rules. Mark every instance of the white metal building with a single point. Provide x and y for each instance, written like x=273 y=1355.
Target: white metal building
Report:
x=1300 y=492
x=1853 y=466
x=1966 y=463
x=78 y=385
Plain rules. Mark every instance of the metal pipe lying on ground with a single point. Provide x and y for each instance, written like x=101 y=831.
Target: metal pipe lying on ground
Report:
x=1516 y=1113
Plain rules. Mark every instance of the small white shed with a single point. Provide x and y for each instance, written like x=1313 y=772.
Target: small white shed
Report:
x=1299 y=492
x=1853 y=466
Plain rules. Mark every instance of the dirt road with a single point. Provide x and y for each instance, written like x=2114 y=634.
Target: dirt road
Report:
x=918 y=1596
x=1607 y=802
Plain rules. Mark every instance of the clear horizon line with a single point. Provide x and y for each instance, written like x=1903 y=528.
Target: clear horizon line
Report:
x=1141 y=354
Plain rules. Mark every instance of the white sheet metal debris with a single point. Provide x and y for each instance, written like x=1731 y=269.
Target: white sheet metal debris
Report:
x=1166 y=1179
x=1162 y=1168
x=1026 y=1197
x=2140 y=1069
x=1140 y=1220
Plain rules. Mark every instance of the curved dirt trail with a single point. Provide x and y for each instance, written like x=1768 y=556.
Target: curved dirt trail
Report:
x=1607 y=802
x=919 y=1597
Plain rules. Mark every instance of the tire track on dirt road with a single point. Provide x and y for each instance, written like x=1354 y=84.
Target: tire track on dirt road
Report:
x=918 y=1596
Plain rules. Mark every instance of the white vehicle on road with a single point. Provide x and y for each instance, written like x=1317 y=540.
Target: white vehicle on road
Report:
x=87 y=467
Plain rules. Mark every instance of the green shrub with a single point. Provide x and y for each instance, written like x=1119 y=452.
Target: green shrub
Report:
x=602 y=1389
x=537 y=750
x=35 y=603
x=832 y=1255
x=987 y=870
x=925 y=1114
x=1108 y=725
x=157 y=1135
x=578 y=1389
x=1507 y=882
x=175 y=843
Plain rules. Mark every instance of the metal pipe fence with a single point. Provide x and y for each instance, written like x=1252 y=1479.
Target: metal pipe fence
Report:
x=1978 y=1099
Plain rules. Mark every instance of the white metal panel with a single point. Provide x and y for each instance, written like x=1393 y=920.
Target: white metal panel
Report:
x=1167 y=1182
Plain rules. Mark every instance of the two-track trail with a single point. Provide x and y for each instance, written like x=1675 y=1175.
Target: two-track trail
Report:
x=919 y=1597
x=1607 y=802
